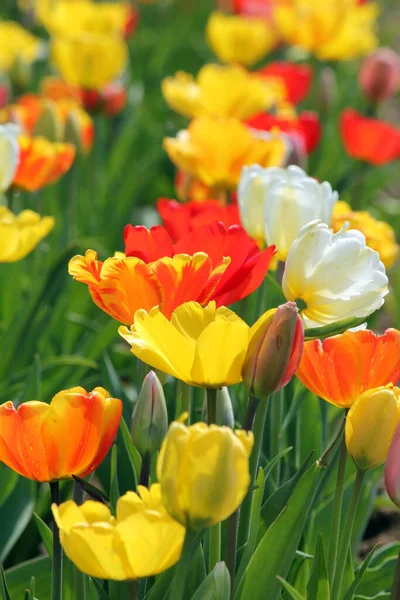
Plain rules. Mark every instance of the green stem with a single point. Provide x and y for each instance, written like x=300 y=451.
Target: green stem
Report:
x=346 y=537
x=182 y=568
x=211 y=405
x=395 y=595
x=275 y=431
x=248 y=420
x=186 y=400
x=337 y=511
x=132 y=589
x=56 y=578
x=245 y=511
x=79 y=577
x=145 y=470
x=231 y=547
x=214 y=556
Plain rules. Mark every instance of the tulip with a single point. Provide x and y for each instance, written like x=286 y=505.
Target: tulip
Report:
x=180 y=219
x=42 y=162
x=340 y=368
x=214 y=151
x=392 y=469
x=201 y=493
x=150 y=418
x=224 y=410
x=267 y=196
x=89 y=60
x=70 y=436
x=9 y=153
x=303 y=130
x=18 y=45
x=334 y=276
x=370 y=426
x=313 y=26
x=221 y=91
x=379 y=235
x=142 y=540
x=374 y=141
x=274 y=351
x=379 y=76
x=204 y=347
x=296 y=77
x=245 y=272
x=121 y=286
x=236 y=39
x=20 y=234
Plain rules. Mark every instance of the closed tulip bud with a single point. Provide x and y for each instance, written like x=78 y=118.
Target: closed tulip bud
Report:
x=274 y=351
x=150 y=418
x=224 y=414
x=370 y=426
x=49 y=124
x=204 y=472
x=379 y=76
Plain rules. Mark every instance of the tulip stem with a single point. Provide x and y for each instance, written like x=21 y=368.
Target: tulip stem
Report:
x=182 y=568
x=337 y=510
x=145 y=470
x=345 y=542
x=250 y=413
x=211 y=405
x=79 y=577
x=132 y=589
x=57 y=568
x=245 y=510
x=214 y=556
x=231 y=547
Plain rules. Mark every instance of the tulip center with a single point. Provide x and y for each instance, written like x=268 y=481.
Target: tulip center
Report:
x=301 y=304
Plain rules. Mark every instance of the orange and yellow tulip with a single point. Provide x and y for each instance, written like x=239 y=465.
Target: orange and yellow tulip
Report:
x=42 y=162
x=120 y=286
x=69 y=436
x=342 y=367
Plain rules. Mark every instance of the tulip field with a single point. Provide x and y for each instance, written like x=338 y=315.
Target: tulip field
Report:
x=199 y=300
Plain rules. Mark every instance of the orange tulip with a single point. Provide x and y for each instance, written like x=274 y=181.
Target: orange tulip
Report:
x=120 y=286
x=342 y=367
x=69 y=436
x=42 y=162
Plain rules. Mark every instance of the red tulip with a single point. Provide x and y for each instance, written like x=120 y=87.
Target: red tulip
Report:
x=306 y=125
x=297 y=78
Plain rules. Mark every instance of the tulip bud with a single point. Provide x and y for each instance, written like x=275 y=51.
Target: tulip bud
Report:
x=224 y=415
x=370 y=426
x=73 y=133
x=274 y=351
x=49 y=124
x=150 y=418
x=327 y=88
x=379 y=76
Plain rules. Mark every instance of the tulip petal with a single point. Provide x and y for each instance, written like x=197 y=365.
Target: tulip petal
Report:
x=148 y=245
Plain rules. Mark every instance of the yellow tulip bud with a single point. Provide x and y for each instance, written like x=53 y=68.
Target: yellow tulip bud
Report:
x=371 y=424
x=204 y=472
x=274 y=352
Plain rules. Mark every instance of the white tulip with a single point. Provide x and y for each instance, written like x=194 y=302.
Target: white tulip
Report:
x=9 y=154
x=275 y=203
x=335 y=276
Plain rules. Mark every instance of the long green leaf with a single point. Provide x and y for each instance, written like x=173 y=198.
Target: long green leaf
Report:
x=290 y=589
x=45 y=533
x=318 y=584
x=4 y=588
x=216 y=586
x=360 y=574
x=15 y=514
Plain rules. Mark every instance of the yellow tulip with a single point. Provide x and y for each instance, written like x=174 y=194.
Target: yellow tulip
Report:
x=204 y=347
x=17 y=44
x=19 y=234
x=370 y=426
x=204 y=472
x=221 y=91
x=332 y=30
x=89 y=60
x=379 y=235
x=238 y=39
x=215 y=150
x=142 y=540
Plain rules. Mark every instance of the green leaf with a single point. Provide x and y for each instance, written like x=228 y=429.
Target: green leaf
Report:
x=93 y=491
x=135 y=460
x=216 y=586
x=160 y=588
x=45 y=533
x=4 y=588
x=290 y=589
x=379 y=574
x=99 y=589
x=15 y=514
x=278 y=500
x=276 y=551
x=19 y=577
x=360 y=574
x=318 y=584
x=114 y=488
x=197 y=571
x=8 y=481
x=254 y=524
